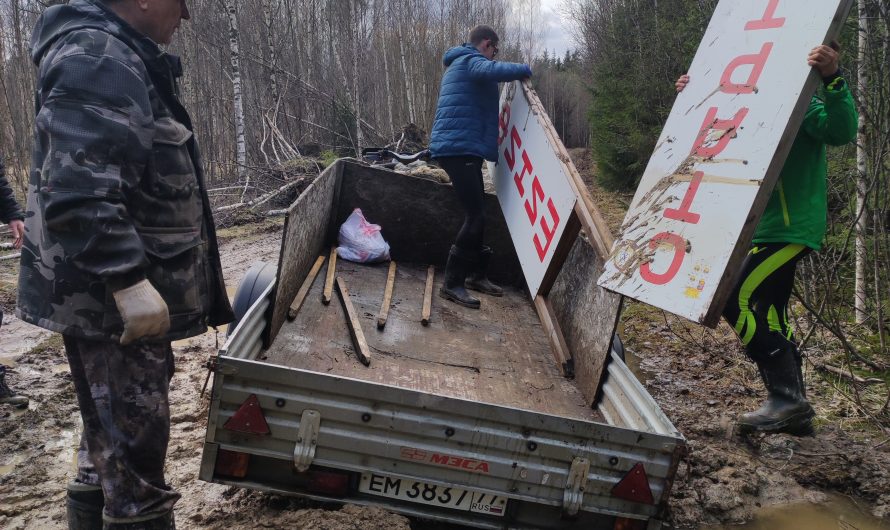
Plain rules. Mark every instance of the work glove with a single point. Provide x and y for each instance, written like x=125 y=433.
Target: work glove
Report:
x=528 y=71
x=143 y=311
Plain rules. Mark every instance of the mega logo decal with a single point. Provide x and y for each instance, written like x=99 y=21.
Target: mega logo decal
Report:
x=440 y=459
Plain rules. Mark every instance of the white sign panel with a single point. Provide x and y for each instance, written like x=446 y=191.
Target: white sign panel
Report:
x=720 y=152
x=532 y=186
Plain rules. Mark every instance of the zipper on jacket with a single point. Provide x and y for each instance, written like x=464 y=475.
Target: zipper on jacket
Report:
x=785 y=215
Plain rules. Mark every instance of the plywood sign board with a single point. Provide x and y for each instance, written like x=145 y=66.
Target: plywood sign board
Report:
x=719 y=155
x=532 y=186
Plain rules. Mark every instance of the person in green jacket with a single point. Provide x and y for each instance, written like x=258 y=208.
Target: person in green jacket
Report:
x=792 y=226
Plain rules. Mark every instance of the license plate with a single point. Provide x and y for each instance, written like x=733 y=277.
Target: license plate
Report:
x=433 y=494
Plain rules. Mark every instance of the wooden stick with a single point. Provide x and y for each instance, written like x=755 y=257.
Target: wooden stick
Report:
x=387 y=296
x=355 y=328
x=428 y=296
x=554 y=335
x=329 y=281
x=304 y=289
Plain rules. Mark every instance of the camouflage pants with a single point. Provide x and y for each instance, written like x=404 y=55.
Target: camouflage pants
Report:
x=122 y=393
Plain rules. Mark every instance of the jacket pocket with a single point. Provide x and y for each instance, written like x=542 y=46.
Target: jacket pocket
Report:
x=174 y=256
x=170 y=183
x=174 y=174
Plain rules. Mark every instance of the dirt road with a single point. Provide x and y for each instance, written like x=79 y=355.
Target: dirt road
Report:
x=725 y=478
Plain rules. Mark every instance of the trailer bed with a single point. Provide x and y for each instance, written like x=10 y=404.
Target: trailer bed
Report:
x=498 y=354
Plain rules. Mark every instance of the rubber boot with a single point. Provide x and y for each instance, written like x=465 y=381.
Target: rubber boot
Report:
x=7 y=396
x=85 y=504
x=460 y=262
x=786 y=408
x=478 y=279
x=162 y=521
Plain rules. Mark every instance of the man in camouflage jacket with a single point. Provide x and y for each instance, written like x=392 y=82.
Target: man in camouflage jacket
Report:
x=120 y=252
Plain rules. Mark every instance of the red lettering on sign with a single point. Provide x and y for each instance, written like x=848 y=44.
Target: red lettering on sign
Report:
x=713 y=137
x=767 y=21
x=503 y=122
x=457 y=462
x=683 y=213
x=757 y=62
x=531 y=208
x=510 y=154
x=679 y=246
x=542 y=240
x=712 y=123
x=548 y=232
x=409 y=453
x=519 y=175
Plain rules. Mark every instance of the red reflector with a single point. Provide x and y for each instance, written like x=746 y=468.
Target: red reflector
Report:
x=623 y=523
x=249 y=418
x=232 y=463
x=329 y=482
x=634 y=486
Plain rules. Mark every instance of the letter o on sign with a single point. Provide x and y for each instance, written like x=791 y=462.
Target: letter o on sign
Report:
x=679 y=246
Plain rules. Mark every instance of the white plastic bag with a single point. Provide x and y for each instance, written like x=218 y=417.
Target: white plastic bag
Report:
x=361 y=241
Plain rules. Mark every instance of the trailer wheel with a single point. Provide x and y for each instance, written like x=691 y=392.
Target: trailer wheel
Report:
x=617 y=347
x=252 y=285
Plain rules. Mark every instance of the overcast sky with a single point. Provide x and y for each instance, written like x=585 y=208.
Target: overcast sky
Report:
x=556 y=36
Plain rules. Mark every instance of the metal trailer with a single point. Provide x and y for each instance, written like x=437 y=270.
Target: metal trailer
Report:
x=484 y=431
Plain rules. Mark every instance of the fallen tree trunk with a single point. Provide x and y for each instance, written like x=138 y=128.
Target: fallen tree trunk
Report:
x=847 y=375
x=262 y=199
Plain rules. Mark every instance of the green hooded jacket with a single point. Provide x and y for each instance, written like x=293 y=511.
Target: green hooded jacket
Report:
x=797 y=210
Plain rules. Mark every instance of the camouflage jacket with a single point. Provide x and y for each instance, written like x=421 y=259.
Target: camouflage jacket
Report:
x=116 y=191
x=9 y=208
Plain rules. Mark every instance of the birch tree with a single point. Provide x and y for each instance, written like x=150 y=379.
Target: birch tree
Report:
x=238 y=106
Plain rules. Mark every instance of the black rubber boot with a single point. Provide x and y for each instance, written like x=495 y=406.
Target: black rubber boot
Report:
x=162 y=521
x=478 y=279
x=460 y=262
x=786 y=408
x=85 y=504
x=7 y=396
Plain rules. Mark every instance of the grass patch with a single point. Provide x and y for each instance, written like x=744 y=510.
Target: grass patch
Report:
x=50 y=345
x=262 y=226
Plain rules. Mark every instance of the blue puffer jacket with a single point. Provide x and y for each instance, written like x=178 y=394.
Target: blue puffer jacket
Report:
x=467 y=114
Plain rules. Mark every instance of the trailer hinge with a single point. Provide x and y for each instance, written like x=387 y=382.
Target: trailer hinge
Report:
x=307 y=439
x=575 y=486
x=213 y=366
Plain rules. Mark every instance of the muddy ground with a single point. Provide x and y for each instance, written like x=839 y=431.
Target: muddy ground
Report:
x=701 y=381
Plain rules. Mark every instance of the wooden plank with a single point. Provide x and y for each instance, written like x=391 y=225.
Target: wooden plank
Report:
x=387 y=296
x=329 y=281
x=719 y=156
x=303 y=238
x=428 y=296
x=304 y=289
x=554 y=335
x=362 y=351
x=586 y=314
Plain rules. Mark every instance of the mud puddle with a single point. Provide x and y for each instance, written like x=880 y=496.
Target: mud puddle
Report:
x=837 y=513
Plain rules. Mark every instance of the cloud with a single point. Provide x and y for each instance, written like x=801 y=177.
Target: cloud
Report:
x=556 y=39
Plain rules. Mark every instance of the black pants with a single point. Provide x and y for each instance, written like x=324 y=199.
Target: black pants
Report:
x=466 y=179
x=758 y=306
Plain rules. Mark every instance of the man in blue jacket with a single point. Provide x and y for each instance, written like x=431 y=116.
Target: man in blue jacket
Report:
x=465 y=132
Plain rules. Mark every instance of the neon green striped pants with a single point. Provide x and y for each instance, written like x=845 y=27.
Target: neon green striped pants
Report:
x=758 y=304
